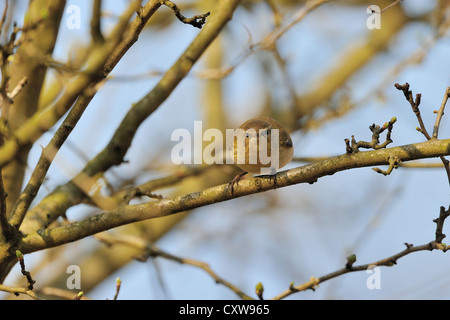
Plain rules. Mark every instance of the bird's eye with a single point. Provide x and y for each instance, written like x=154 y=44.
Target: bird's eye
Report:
x=289 y=143
x=265 y=132
x=247 y=135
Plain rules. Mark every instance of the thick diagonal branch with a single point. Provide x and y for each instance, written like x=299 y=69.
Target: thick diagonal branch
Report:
x=306 y=174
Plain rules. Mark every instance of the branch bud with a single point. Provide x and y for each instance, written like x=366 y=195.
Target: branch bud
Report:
x=259 y=289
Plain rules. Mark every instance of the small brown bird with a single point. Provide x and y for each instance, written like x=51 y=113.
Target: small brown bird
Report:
x=248 y=154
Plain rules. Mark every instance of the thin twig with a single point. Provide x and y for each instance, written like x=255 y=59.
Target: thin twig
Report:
x=18 y=291
x=436 y=244
x=375 y=143
x=2 y=21
x=391 y=5
x=26 y=273
x=393 y=164
x=118 y=285
x=59 y=293
x=415 y=107
x=197 y=21
x=147 y=188
x=276 y=34
x=390 y=261
x=96 y=32
x=440 y=113
x=152 y=251
x=267 y=43
x=443 y=214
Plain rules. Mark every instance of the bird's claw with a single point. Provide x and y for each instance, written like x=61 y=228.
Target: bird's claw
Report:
x=235 y=180
x=270 y=177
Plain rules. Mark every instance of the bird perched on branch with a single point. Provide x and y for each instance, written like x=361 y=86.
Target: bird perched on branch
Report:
x=261 y=146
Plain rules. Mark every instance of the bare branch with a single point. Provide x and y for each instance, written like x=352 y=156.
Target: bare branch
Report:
x=391 y=5
x=197 y=21
x=307 y=174
x=393 y=164
x=415 y=107
x=18 y=291
x=59 y=293
x=298 y=16
x=443 y=214
x=389 y=261
x=26 y=273
x=440 y=113
x=118 y=285
x=436 y=244
x=375 y=143
x=96 y=32
x=411 y=164
x=152 y=251
x=2 y=21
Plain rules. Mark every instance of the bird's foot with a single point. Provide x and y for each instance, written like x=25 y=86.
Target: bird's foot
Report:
x=270 y=177
x=236 y=180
